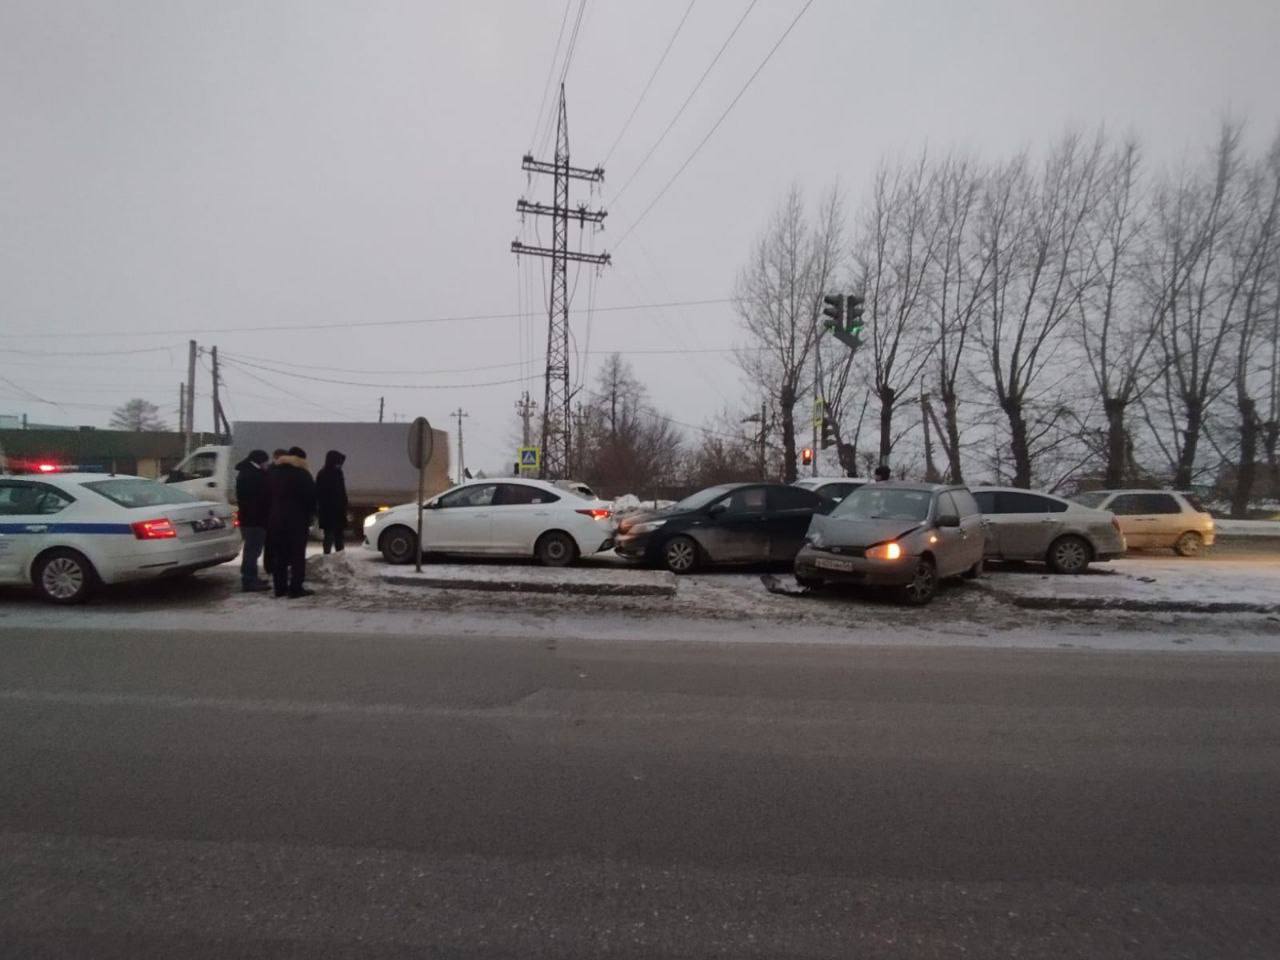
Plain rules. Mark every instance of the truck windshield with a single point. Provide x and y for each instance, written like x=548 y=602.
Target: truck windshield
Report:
x=138 y=493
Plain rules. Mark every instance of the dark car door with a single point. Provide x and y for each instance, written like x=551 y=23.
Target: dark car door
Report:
x=790 y=511
x=736 y=530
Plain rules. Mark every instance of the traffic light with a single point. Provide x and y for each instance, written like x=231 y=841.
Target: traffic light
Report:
x=853 y=313
x=806 y=456
x=833 y=311
x=828 y=433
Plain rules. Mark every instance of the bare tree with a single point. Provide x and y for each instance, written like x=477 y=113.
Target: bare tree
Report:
x=139 y=416
x=1196 y=219
x=778 y=297
x=1254 y=260
x=894 y=252
x=958 y=290
x=1032 y=228
x=1118 y=324
x=620 y=443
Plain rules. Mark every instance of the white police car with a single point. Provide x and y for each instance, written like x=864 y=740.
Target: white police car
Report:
x=67 y=533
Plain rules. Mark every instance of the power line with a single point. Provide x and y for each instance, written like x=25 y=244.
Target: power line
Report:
x=551 y=69
x=87 y=353
x=716 y=126
x=687 y=100
x=564 y=71
x=624 y=351
x=649 y=83
x=242 y=365
x=287 y=393
x=354 y=325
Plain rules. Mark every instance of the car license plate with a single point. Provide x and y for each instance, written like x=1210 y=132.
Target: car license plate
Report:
x=824 y=563
x=212 y=523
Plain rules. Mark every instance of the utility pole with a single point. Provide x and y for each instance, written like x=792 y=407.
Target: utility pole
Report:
x=220 y=425
x=525 y=405
x=382 y=404
x=460 y=413
x=556 y=424
x=190 y=426
x=182 y=408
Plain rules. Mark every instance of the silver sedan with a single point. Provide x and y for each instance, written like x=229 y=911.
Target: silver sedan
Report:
x=1026 y=525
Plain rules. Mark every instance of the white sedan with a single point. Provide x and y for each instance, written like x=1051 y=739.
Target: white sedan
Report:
x=507 y=518
x=68 y=533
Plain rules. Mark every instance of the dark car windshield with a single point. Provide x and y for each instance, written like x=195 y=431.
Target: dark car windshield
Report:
x=875 y=502
x=696 y=501
x=139 y=493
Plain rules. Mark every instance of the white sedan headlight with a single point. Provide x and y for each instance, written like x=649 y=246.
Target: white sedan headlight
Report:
x=647 y=527
x=371 y=519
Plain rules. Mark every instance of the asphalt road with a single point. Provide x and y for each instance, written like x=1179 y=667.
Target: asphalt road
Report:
x=373 y=796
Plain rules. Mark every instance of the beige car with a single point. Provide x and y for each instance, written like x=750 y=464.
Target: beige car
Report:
x=1027 y=525
x=1156 y=519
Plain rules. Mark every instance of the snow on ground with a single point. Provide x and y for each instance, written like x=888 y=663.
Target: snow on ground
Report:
x=712 y=607
x=1148 y=582
x=1247 y=528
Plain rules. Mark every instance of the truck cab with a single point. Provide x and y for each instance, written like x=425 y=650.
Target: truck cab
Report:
x=205 y=473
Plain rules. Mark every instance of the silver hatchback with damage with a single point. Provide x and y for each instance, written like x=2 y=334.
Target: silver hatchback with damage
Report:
x=902 y=535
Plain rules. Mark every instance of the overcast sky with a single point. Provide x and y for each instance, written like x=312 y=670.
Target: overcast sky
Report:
x=168 y=166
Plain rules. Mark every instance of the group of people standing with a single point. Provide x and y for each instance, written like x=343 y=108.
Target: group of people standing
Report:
x=278 y=498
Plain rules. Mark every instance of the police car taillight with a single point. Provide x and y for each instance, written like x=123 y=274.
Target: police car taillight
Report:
x=154 y=530
x=47 y=467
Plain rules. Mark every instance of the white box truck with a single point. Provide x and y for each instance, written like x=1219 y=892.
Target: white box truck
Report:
x=377 y=471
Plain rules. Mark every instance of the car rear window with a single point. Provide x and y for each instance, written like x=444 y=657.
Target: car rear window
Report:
x=1194 y=502
x=138 y=493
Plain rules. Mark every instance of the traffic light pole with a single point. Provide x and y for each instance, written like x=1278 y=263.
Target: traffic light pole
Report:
x=819 y=406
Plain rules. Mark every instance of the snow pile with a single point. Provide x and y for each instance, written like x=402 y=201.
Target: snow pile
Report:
x=1247 y=528
x=1217 y=585
x=630 y=503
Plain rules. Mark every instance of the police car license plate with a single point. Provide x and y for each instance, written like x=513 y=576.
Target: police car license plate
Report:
x=825 y=563
x=211 y=523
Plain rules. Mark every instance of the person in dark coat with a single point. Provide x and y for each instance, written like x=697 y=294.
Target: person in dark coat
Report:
x=276 y=454
x=254 y=503
x=293 y=504
x=331 y=500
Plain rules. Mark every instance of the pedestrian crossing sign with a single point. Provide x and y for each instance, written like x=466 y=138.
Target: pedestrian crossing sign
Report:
x=529 y=457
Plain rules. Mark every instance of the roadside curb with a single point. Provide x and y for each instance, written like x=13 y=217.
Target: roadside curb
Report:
x=1128 y=604
x=661 y=585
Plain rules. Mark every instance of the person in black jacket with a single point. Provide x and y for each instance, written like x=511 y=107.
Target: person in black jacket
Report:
x=331 y=500
x=276 y=454
x=254 y=503
x=293 y=504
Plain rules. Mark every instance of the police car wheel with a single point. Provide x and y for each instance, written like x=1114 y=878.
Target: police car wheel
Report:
x=64 y=576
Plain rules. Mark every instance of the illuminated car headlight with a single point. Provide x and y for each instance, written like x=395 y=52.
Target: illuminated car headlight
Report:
x=884 y=551
x=371 y=519
x=647 y=527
